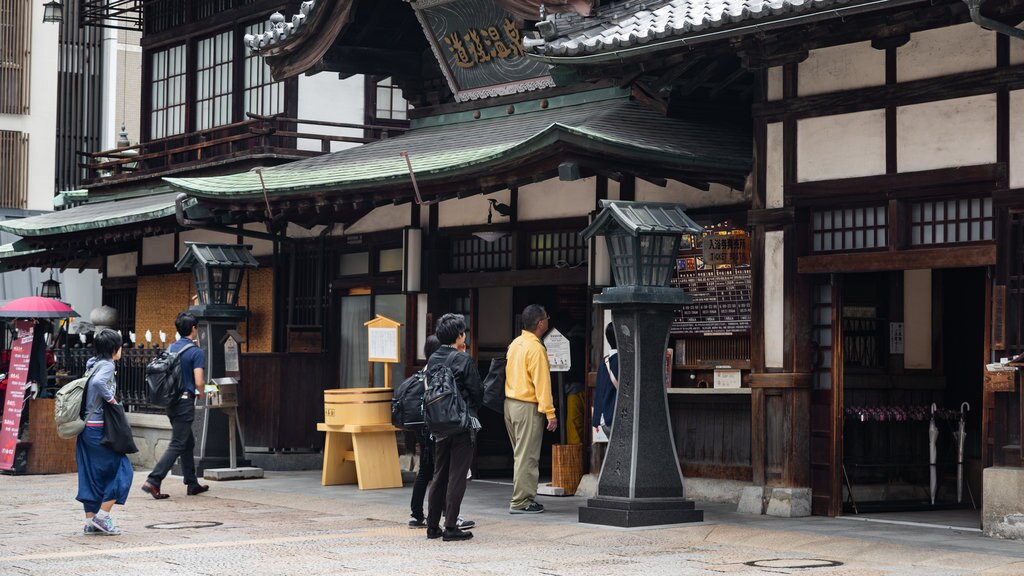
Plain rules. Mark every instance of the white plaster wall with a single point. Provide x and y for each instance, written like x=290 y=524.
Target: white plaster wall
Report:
x=324 y=97
x=158 y=250
x=946 y=134
x=554 y=198
x=775 y=83
x=843 y=67
x=122 y=265
x=259 y=247
x=774 y=299
x=774 y=188
x=41 y=121
x=1017 y=138
x=387 y=217
x=841 y=146
x=613 y=190
x=1017 y=49
x=206 y=237
x=944 y=51
x=917 y=313
x=471 y=210
x=676 y=192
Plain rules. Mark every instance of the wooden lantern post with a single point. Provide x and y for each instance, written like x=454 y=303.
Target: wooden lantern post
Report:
x=384 y=344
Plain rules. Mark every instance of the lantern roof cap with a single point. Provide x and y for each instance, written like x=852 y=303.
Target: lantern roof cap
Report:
x=222 y=255
x=636 y=218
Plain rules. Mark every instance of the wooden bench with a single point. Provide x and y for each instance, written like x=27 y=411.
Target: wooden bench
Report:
x=366 y=454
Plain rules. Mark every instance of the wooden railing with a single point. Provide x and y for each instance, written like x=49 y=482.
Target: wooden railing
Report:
x=287 y=137
x=131 y=373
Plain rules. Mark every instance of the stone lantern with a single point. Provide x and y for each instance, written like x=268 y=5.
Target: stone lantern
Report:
x=641 y=483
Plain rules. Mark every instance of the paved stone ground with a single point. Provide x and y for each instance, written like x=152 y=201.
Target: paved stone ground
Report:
x=289 y=524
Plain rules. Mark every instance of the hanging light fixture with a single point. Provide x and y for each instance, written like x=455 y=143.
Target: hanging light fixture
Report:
x=53 y=12
x=490 y=233
x=50 y=288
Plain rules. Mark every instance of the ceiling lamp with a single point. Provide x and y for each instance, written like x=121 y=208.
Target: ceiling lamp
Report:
x=490 y=233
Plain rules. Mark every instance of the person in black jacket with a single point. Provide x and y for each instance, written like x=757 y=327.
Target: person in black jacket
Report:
x=452 y=454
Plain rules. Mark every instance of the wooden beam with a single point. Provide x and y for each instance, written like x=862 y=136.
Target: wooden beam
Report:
x=780 y=380
x=900 y=185
x=541 y=277
x=911 y=259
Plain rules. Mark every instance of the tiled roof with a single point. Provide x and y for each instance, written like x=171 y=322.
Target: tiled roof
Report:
x=278 y=29
x=463 y=147
x=641 y=218
x=219 y=255
x=94 y=216
x=631 y=23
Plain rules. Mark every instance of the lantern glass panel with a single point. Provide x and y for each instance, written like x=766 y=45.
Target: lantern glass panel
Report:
x=50 y=289
x=202 y=283
x=620 y=248
x=657 y=259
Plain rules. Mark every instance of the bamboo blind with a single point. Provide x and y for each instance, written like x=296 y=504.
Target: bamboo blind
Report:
x=15 y=47
x=13 y=169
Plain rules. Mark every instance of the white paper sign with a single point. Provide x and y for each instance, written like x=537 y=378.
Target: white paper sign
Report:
x=728 y=378
x=896 y=338
x=230 y=355
x=384 y=344
x=558 y=351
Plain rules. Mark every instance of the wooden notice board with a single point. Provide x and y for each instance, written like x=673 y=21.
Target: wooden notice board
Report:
x=384 y=343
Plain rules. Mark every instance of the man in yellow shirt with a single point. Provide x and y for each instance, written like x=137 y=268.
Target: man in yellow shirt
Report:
x=528 y=407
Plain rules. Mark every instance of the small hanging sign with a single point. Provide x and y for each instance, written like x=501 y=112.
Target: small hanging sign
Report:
x=558 y=351
x=726 y=247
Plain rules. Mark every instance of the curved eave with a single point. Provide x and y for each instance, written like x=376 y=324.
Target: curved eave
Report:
x=294 y=55
x=486 y=162
x=90 y=217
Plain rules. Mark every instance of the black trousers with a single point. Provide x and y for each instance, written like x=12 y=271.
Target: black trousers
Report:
x=182 y=413
x=452 y=457
x=425 y=474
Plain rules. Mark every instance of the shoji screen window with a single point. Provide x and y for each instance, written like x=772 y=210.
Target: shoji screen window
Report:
x=213 y=80
x=390 y=105
x=262 y=94
x=167 y=109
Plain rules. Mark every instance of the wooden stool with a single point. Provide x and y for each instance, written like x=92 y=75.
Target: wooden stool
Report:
x=366 y=454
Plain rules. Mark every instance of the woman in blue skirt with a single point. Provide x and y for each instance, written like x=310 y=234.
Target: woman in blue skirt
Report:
x=104 y=476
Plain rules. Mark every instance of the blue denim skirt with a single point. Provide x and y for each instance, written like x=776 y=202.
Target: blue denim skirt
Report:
x=102 y=473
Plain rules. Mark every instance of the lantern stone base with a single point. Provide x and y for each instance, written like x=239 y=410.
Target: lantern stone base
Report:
x=636 y=512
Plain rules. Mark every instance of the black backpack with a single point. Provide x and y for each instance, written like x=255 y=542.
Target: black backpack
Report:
x=494 y=385
x=163 y=376
x=444 y=408
x=407 y=403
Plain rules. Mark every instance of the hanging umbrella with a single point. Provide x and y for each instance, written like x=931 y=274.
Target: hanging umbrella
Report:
x=960 y=434
x=36 y=307
x=933 y=436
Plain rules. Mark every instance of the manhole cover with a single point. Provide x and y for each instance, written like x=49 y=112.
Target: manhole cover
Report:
x=189 y=524
x=793 y=563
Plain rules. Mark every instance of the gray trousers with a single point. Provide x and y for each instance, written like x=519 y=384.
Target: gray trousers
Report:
x=526 y=430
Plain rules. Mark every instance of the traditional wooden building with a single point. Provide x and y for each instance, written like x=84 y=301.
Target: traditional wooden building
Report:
x=885 y=229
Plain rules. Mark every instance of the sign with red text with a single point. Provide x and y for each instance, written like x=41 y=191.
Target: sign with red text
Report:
x=17 y=381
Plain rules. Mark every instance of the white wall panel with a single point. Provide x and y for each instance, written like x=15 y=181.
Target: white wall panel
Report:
x=158 y=250
x=775 y=83
x=773 y=167
x=1017 y=49
x=325 y=97
x=472 y=210
x=205 y=237
x=557 y=199
x=946 y=134
x=843 y=67
x=389 y=217
x=774 y=299
x=943 y=51
x=842 y=146
x=122 y=265
x=259 y=247
x=676 y=192
x=1017 y=138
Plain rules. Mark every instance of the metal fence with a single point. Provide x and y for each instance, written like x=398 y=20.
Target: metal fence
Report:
x=131 y=373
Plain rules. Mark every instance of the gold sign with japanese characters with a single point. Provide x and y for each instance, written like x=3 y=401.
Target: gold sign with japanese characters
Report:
x=726 y=247
x=480 y=48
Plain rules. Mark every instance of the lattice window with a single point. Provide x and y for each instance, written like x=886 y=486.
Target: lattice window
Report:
x=821 y=335
x=472 y=254
x=557 y=250
x=167 y=110
x=13 y=169
x=951 y=221
x=214 y=80
x=262 y=95
x=15 y=48
x=390 y=104
x=858 y=228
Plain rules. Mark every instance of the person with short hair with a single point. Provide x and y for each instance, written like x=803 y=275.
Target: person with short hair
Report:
x=453 y=453
x=182 y=412
x=104 y=476
x=529 y=407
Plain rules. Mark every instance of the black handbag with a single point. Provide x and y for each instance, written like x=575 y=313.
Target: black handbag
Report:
x=117 y=433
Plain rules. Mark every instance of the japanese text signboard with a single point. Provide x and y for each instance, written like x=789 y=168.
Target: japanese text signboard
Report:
x=480 y=48
x=720 y=305
x=732 y=249
x=557 y=347
x=17 y=380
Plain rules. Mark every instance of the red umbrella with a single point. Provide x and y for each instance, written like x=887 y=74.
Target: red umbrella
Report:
x=36 y=307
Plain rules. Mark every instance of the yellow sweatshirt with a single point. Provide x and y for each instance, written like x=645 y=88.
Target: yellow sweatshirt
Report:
x=527 y=373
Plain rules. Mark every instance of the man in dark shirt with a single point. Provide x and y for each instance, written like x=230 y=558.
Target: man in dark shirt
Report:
x=452 y=454
x=182 y=412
